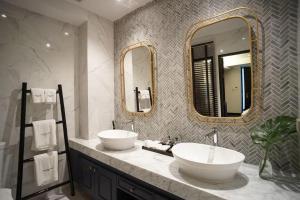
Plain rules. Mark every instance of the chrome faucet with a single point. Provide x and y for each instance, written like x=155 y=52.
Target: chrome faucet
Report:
x=132 y=124
x=213 y=133
x=114 y=122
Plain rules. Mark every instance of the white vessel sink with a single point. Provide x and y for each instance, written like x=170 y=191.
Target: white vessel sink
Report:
x=117 y=139
x=214 y=164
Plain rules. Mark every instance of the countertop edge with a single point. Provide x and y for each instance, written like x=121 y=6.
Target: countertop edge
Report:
x=164 y=183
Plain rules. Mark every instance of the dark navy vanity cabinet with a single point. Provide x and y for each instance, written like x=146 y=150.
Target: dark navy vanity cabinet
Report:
x=96 y=180
x=106 y=183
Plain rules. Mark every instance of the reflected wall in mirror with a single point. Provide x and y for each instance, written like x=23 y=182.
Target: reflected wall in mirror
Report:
x=221 y=68
x=137 y=74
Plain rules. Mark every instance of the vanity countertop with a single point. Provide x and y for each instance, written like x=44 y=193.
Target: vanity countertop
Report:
x=162 y=172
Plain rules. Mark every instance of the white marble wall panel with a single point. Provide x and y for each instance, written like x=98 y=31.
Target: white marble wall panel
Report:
x=24 y=57
x=100 y=69
x=83 y=82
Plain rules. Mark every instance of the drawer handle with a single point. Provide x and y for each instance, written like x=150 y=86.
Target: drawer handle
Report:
x=132 y=189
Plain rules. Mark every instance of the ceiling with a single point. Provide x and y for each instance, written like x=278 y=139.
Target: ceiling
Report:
x=74 y=11
x=221 y=27
x=110 y=9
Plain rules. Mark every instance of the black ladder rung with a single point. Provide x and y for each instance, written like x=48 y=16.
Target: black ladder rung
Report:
x=29 y=91
x=45 y=190
x=30 y=125
x=31 y=159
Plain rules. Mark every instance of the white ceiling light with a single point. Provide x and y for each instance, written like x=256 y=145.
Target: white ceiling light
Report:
x=221 y=50
x=48 y=45
x=3 y=15
x=67 y=33
x=243 y=38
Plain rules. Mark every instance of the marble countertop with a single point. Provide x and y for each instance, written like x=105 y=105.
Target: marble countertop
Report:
x=162 y=171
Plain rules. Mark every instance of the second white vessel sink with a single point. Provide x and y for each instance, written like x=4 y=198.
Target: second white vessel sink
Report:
x=215 y=164
x=117 y=139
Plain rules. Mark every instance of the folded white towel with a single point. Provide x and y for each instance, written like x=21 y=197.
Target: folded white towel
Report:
x=156 y=145
x=5 y=194
x=146 y=110
x=44 y=135
x=144 y=101
x=38 y=95
x=144 y=94
x=50 y=96
x=46 y=168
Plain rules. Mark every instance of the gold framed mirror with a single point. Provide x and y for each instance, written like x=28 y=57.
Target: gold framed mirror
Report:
x=223 y=68
x=138 y=79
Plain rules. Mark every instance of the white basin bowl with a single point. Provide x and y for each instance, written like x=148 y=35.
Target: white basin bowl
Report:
x=117 y=139
x=214 y=164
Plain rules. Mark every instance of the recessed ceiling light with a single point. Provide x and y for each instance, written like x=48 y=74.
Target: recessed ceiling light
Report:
x=221 y=50
x=4 y=15
x=243 y=38
x=67 y=33
x=48 y=45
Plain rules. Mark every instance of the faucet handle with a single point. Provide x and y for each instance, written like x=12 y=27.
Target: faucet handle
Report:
x=213 y=132
x=113 y=124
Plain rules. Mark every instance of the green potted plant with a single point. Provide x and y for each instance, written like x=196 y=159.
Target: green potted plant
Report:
x=268 y=134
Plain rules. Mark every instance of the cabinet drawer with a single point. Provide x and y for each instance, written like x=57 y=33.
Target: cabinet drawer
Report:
x=134 y=189
x=105 y=184
x=87 y=169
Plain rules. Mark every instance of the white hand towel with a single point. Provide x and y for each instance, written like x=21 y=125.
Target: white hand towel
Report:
x=44 y=135
x=144 y=101
x=46 y=168
x=50 y=96
x=144 y=94
x=5 y=194
x=38 y=95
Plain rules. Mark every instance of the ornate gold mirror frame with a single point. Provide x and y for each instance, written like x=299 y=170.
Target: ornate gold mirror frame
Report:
x=152 y=52
x=250 y=17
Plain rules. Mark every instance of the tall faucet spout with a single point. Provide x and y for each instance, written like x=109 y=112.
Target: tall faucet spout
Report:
x=213 y=133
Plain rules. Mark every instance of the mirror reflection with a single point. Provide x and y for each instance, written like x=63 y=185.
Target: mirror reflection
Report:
x=221 y=69
x=138 y=79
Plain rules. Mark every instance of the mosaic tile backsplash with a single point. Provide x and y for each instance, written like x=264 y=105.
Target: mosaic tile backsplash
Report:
x=165 y=23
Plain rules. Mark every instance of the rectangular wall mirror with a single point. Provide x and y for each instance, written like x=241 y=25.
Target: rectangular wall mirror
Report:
x=220 y=68
x=137 y=74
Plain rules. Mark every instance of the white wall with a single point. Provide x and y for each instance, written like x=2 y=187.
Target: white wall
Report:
x=232 y=82
x=97 y=75
x=141 y=68
x=100 y=74
x=137 y=72
x=24 y=57
x=128 y=79
x=81 y=62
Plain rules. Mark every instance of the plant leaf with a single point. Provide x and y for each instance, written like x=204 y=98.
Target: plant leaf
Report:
x=273 y=131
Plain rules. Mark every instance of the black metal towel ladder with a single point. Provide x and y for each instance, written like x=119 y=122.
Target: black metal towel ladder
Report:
x=21 y=146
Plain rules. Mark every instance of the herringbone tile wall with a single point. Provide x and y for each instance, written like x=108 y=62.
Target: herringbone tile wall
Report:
x=165 y=24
